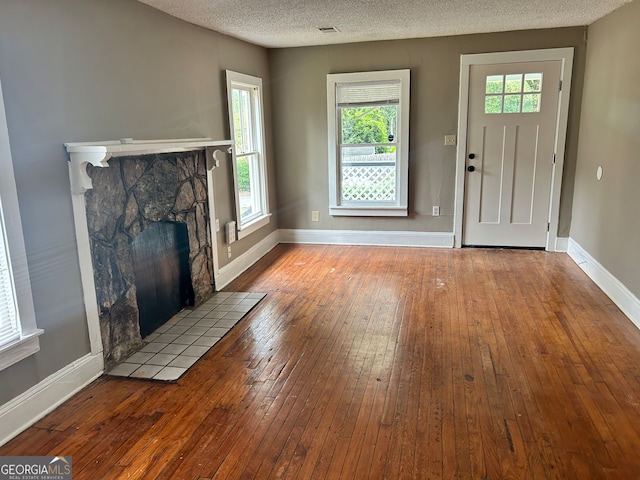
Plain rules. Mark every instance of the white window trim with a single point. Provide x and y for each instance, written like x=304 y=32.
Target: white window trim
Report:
x=400 y=209
x=243 y=80
x=28 y=343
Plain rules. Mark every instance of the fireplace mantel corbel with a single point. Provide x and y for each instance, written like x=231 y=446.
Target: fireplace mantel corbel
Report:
x=98 y=154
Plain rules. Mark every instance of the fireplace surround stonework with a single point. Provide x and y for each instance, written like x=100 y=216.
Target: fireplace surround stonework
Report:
x=127 y=197
x=145 y=182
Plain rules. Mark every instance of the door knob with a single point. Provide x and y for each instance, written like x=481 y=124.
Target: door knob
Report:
x=472 y=156
x=471 y=168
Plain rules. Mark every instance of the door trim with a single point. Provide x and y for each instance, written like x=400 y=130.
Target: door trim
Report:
x=565 y=55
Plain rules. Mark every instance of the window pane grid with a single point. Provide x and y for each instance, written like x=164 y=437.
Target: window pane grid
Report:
x=242 y=119
x=369 y=178
x=249 y=169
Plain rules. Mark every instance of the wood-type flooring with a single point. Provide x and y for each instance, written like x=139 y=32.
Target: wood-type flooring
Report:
x=380 y=362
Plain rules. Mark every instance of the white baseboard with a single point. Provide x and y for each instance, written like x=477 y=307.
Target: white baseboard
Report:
x=610 y=285
x=230 y=272
x=358 y=237
x=562 y=244
x=29 y=407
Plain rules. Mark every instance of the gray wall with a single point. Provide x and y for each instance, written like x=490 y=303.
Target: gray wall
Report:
x=90 y=70
x=298 y=77
x=606 y=220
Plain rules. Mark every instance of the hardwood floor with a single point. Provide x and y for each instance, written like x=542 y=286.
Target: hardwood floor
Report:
x=366 y=362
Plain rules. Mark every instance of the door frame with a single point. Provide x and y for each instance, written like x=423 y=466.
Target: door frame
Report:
x=565 y=55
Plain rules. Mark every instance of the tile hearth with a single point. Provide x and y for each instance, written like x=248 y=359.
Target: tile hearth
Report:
x=175 y=346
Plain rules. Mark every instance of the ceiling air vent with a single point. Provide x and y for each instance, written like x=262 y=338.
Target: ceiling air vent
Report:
x=328 y=29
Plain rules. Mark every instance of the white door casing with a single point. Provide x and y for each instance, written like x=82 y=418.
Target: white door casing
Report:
x=564 y=59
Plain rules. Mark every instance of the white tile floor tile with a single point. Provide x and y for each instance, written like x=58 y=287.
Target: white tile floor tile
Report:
x=174 y=349
x=188 y=321
x=206 y=341
x=178 y=329
x=226 y=323
x=197 y=330
x=225 y=307
x=124 y=369
x=140 y=357
x=195 y=351
x=166 y=337
x=207 y=322
x=186 y=339
x=233 y=316
x=151 y=337
x=161 y=359
x=153 y=347
x=217 y=331
x=146 y=371
x=184 y=361
x=169 y=373
x=182 y=340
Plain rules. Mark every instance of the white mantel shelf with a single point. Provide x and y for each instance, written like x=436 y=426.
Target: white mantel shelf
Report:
x=98 y=153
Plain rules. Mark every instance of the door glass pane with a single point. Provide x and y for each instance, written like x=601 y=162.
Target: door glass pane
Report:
x=512 y=104
x=533 y=82
x=531 y=103
x=493 y=104
x=513 y=83
x=494 y=84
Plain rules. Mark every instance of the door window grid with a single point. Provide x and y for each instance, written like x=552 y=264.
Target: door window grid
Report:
x=513 y=93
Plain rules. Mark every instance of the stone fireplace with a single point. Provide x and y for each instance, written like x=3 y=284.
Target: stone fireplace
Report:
x=144 y=218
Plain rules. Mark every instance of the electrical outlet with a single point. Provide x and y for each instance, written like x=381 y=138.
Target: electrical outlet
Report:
x=436 y=211
x=229 y=251
x=315 y=216
x=450 y=140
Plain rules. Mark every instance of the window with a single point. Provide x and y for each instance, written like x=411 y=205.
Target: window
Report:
x=509 y=94
x=246 y=119
x=368 y=130
x=18 y=332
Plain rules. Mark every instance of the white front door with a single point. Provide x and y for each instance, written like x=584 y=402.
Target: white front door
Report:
x=511 y=136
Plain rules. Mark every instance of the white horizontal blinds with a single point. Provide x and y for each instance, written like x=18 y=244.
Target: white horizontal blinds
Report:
x=370 y=93
x=8 y=320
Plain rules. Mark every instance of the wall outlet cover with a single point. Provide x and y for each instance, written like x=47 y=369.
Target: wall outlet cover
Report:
x=450 y=140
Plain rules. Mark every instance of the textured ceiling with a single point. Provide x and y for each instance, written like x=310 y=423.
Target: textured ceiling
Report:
x=292 y=23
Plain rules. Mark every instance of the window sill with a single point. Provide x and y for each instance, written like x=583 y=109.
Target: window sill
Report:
x=344 y=211
x=254 y=225
x=20 y=349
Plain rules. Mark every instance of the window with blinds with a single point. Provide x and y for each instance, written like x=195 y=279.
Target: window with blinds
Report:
x=368 y=136
x=18 y=330
x=9 y=330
